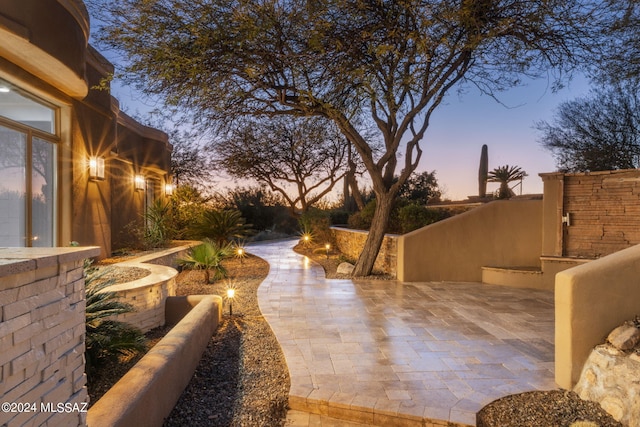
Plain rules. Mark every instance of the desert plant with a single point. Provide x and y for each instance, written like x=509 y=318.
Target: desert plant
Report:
x=158 y=229
x=222 y=226
x=483 y=171
x=106 y=338
x=414 y=216
x=207 y=256
x=504 y=175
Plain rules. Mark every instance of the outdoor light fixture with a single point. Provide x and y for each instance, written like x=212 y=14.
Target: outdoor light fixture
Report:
x=327 y=247
x=139 y=182
x=240 y=253
x=96 y=168
x=168 y=189
x=230 y=294
x=306 y=238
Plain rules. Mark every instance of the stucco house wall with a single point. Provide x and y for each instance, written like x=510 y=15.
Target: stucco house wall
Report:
x=45 y=54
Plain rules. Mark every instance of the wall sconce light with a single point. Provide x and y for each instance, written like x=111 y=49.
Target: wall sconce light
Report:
x=168 y=189
x=96 y=168
x=139 y=182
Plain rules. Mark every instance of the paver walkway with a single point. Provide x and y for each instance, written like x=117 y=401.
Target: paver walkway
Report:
x=390 y=353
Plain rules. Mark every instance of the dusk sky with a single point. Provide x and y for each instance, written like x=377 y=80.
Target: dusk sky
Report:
x=459 y=128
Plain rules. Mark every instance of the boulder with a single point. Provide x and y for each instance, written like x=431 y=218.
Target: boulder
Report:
x=624 y=337
x=345 y=268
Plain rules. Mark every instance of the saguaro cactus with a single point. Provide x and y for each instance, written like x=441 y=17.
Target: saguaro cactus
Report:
x=483 y=171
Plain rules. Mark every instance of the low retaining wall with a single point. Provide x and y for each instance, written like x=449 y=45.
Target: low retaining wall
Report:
x=590 y=301
x=350 y=242
x=146 y=395
x=42 y=327
x=148 y=295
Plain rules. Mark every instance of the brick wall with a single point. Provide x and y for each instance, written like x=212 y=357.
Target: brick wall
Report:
x=350 y=243
x=604 y=210
x=42 y=330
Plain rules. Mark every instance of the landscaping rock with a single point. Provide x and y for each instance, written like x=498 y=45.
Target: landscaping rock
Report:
x=624 y=337
x=610 y=375
x=345 y=268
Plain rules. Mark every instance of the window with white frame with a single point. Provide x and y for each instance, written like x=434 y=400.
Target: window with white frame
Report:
x=28 y=137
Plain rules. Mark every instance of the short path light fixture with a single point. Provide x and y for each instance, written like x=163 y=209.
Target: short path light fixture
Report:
x=230 y=294
x=241 y=253
x=327 y=247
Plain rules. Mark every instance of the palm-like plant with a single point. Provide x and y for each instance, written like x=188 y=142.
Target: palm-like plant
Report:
x=107 y=339
x=504 y=175
x=207 y=256
x=223 y=226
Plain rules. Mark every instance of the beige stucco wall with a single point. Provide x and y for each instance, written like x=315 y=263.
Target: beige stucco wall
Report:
x=45 y=52
x=500 y=233
x=591 y=300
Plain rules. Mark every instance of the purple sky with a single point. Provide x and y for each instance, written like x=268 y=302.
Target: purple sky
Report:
x=459 y=128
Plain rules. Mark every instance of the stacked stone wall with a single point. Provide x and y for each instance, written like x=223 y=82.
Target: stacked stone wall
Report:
x=147 y=296
x=604 y=209
x=42 y=330
x=351 y=242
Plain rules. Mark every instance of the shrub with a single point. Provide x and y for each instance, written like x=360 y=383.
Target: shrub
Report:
x=316 y=222
x=414 y=216
x=222 y=226
x=106 y=339
x=207 y=256
x=158 y=230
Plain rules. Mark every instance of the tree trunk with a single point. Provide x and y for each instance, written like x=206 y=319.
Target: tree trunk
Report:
x=372 y=245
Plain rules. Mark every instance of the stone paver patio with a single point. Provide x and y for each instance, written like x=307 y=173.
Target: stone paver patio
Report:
x=390 y=353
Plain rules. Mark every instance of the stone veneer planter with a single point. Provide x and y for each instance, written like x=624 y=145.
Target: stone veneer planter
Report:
x=148 y=294
x=42 y=327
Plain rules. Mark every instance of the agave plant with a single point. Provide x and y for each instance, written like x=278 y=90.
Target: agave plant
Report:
x=504 y=175
x=106 y=338
x=158 y=230
x=207 y=256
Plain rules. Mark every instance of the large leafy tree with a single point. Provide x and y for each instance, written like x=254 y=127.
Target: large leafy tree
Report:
x=597 y=132
x=300 y=159
x=377 y=68
x=620 y=60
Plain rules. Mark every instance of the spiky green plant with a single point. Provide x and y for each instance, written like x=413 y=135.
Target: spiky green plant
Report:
x=158 y=229
x=504 y=175
x=207 y=256
x=223 y=226
x=106 y=338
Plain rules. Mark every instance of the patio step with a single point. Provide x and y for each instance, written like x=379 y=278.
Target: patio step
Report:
x=516 y=277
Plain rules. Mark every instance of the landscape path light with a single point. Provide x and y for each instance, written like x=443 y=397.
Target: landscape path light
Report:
x=231 y=293
x=327 y=247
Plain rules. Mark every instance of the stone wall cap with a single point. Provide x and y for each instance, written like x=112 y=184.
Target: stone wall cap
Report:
x=19 y=260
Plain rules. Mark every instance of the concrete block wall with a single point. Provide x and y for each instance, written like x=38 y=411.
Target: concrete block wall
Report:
x=42 y=331
x=350 y=242
x=604 y=210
